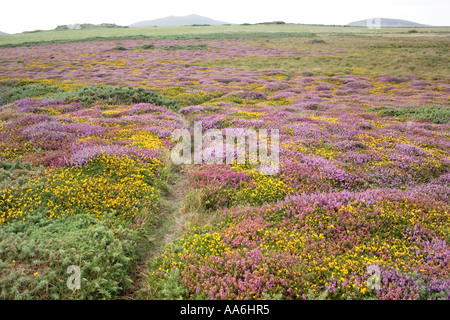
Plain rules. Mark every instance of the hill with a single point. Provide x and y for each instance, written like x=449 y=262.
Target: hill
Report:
x=388 y=23
x=2 y=32
x=173 y=21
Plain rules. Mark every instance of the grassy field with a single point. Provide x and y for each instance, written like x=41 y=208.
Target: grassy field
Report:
x=87 y=178
x=367 y=54
x=208 y=32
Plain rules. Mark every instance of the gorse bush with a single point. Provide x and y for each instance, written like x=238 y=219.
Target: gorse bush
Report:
x=5 y=165
x=436 y=114
x=26 y=91
x=120 y=96
x=148 y=46
x=113 y=188
x=35 y=255
x=16 y=173
x=87 y=96
x=56 y=221
x=186 y=47
x=172 y=288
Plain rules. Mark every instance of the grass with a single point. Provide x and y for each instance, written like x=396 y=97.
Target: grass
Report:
x=376 y=54
x=200 y=32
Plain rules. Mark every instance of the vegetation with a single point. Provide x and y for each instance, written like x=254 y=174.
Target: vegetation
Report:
x=119 y=96
x=34 y=257
x=436 y=114
x=87 y=96
x=173 y=47
x=87 y=179
x=363 y=53
x=14 y=91
x=200 y=32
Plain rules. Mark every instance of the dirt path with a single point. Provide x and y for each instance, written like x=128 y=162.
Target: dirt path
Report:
x=173 y=222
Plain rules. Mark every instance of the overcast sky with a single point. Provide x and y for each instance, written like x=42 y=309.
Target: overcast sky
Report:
x=27 y=15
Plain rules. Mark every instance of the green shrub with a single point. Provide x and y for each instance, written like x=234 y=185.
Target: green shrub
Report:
x=172 y=288
x=317 y=41
x=173 y=47
x=273 y=22
x=17 y=173
x=146 y=46
x=35 y=255
x=436 y=114
x=17 y=92
x=88 y=96
x=186 y=47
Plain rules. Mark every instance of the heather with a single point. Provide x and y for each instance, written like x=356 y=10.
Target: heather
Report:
x=351 y=192
x=294 y=248
x=86 y=176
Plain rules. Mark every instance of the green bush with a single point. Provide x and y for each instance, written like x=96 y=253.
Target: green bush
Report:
x=174 y=47
x=273 y=22
x=146 y=46
x=17 y=92
x=436 y=114
x=35 y=255
x=88 y=96
x=186 y=47
x=172 y=288
x=17 y=173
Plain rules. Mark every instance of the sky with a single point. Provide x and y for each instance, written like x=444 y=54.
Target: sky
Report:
x=27 y=15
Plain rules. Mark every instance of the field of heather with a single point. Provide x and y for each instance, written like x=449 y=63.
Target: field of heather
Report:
x=359 y=208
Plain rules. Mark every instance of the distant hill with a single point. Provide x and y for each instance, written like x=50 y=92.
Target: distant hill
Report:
x=387 y=23
x=173 y=21
x=2 y=32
